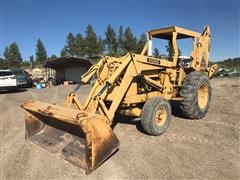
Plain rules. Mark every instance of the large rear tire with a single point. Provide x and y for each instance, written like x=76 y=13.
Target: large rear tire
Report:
x=156 y=116
x=196 y=93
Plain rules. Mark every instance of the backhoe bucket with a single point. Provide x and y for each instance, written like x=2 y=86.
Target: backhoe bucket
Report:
x=82 y=138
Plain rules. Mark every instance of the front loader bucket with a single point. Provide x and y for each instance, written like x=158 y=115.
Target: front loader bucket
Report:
x=82 y=138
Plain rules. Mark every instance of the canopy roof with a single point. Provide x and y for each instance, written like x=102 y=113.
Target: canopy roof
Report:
x=67 y=62
x=166 y=33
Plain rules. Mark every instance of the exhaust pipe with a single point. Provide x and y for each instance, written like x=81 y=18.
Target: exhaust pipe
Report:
x=149 y=52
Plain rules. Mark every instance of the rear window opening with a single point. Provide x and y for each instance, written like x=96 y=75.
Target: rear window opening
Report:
x=6 y=73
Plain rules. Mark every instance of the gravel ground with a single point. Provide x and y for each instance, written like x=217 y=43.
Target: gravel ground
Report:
x=189 y=149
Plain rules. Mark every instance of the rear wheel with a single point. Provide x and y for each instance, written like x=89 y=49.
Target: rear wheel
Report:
x=196 y=93
x=156 y=116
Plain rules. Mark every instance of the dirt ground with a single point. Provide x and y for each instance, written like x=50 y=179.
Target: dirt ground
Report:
x=189 y=149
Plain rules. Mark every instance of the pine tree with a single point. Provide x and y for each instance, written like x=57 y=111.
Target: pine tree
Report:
x=5 y=53
x=120 y=41
x=129 y=41
x=31 y=60
x=63 y=52
x=52 y=57
x=92 y=45
x=141 y=43
x=79 y=47
x=3 y=63
x=179 y=52
x=111 y=41
x=41 y=53
x=1 y=60
x=13 y=56
x=169 y=49
x=70 y=46
x=156 y=53
x=100 y=45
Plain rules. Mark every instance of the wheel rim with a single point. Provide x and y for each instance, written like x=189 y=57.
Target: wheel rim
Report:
x=161 y=116
x=202 y=96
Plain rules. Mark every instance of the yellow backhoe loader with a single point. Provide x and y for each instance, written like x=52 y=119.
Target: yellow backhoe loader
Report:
x=139 y=85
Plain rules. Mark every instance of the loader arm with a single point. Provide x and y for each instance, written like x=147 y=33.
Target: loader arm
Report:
x=85 y=78
x=107 y=83
x=115 y=77
x=122 y=88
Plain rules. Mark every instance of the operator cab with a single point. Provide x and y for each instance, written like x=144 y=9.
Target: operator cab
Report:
x=171 y=35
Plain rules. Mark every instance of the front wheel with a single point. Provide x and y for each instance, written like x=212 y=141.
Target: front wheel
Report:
x=156 y=116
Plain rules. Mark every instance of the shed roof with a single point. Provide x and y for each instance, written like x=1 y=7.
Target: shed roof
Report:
x=62 y=62
x=166 y=33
